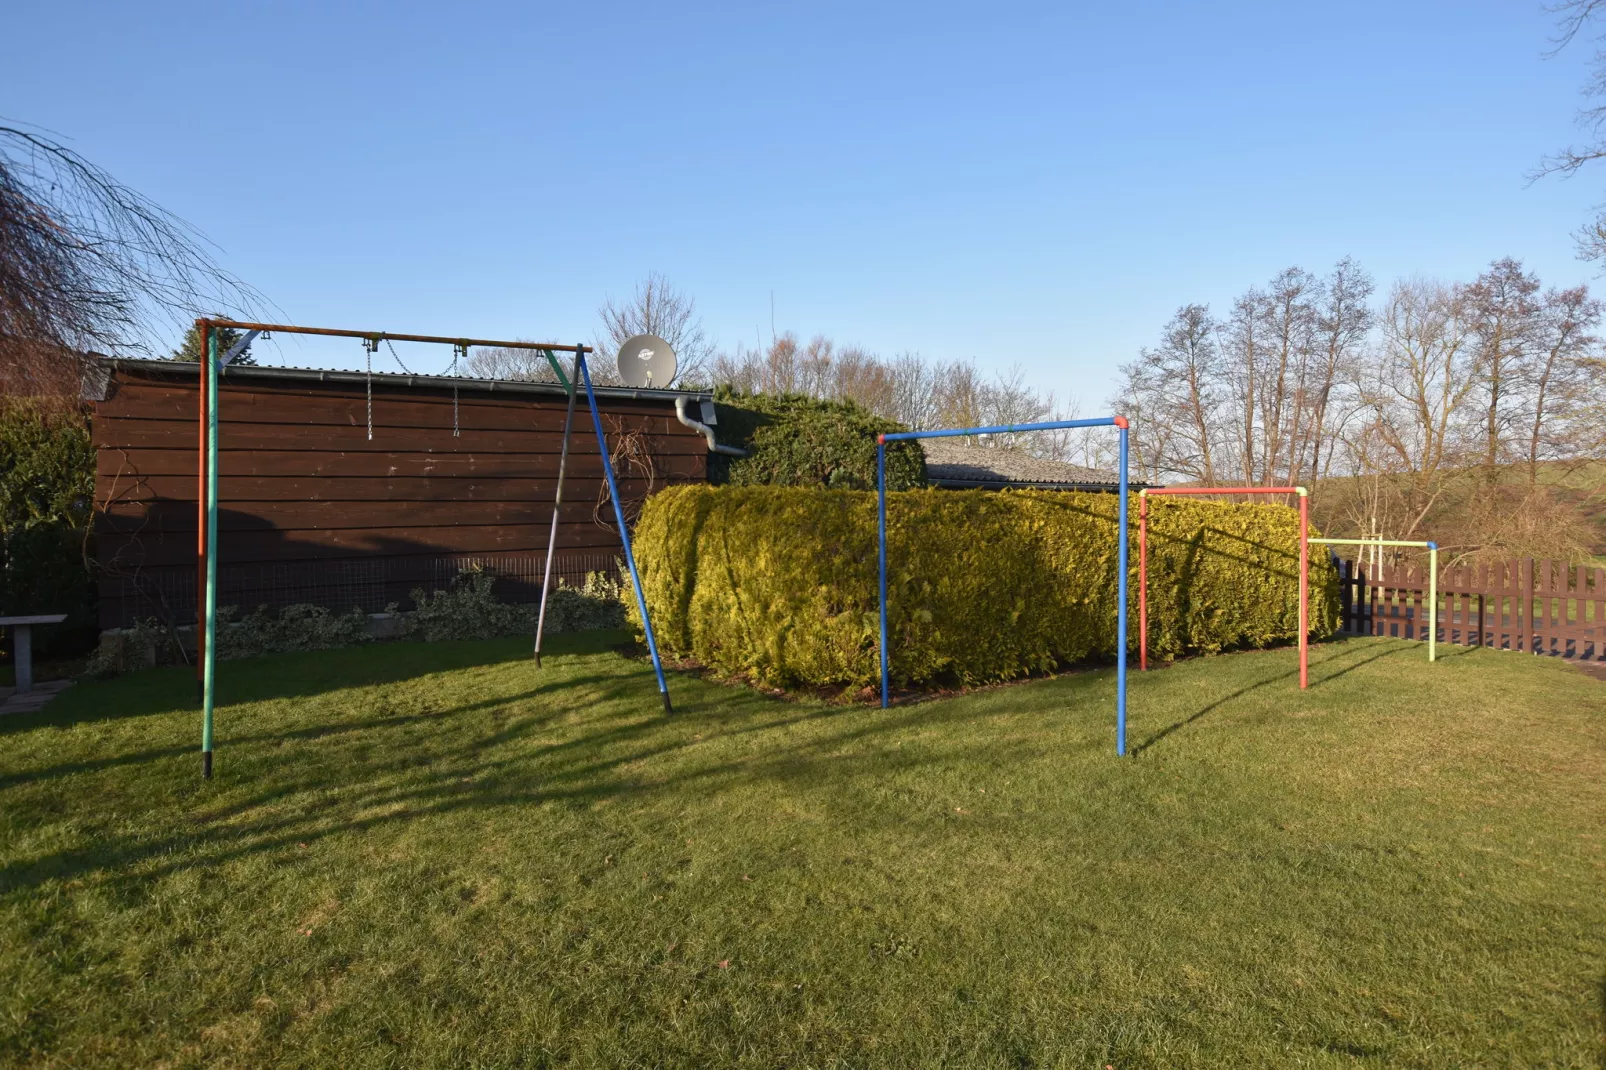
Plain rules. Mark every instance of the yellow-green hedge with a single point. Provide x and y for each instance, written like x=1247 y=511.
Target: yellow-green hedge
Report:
x=780 y=582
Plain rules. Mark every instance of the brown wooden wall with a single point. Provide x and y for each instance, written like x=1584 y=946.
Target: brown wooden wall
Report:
x=311 y=510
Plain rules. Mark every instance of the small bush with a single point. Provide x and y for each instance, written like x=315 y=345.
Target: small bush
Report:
x=780 y=583
x=468 y=609
x=297 y=627
x=799 y=441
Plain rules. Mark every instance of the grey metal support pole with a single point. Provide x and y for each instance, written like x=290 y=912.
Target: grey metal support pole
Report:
x=557 y=504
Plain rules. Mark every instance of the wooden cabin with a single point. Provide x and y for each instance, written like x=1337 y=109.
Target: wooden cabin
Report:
x=457 y=473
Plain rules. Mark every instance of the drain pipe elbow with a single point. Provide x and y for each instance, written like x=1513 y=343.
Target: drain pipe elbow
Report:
x=683 y=414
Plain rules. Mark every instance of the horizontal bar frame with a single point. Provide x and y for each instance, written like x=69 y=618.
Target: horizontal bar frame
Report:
x=1122 y=425
x=379 y=336
x=1433 y=578
x=1304 y=563
x=1153 y=491
x=1003 y=429
x=1427 y=545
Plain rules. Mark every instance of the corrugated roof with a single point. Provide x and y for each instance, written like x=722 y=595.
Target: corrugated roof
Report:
x=952 y=463
x=391 y=379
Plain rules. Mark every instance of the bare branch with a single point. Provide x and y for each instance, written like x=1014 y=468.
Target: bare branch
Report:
x=88 y=263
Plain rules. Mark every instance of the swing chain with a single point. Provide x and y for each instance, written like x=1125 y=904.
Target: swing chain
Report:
x=396 y=358
x=459 y=350
x=370 y=346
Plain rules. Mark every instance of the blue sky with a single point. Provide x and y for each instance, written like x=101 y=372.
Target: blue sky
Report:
x=1041 y=184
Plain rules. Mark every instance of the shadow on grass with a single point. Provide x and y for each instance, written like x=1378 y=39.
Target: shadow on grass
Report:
x=421 y=772
x=338 y=728
x=1317 y=679
x=489 y=755
x=301 y=674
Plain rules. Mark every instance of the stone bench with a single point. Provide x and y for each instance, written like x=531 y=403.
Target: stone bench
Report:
x=22 y=644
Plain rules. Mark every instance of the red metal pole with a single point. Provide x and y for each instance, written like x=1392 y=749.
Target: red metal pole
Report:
x=203 y=328
x=1143 y=582
x=1304 y=591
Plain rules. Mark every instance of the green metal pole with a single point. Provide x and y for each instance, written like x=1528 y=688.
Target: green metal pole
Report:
x=209 y=668
x=552 y=360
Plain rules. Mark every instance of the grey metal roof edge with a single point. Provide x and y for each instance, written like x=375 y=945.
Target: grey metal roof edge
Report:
x=952 y=483
x=321 y=375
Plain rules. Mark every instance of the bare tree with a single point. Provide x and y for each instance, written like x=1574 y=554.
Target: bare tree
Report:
x=1244 y=354
x=1504 y=311
x=913 y=392
x=1560 y=380
x=1290 y=327
x=959 y=397
x=87 y=263
x=1418 y=389
x=506 y=362
x=1177 y=387
x=656 y=307
x=1343 y=322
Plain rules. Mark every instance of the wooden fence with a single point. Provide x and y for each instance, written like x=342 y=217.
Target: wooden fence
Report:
x=1539 y=607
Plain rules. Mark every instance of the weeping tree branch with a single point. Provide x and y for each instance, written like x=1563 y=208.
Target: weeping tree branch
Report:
x=88 y=263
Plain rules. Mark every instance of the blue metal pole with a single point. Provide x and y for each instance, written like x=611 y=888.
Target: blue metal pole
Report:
x=1120 y=612
x=624 y=532
x=881 y=513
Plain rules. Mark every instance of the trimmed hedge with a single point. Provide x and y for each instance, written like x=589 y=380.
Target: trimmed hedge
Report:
x=779 y=583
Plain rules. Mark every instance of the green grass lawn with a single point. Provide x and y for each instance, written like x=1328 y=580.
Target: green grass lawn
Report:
x=439 y=855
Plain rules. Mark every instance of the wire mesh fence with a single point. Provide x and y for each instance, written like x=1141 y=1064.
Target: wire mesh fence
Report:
x=369 y=584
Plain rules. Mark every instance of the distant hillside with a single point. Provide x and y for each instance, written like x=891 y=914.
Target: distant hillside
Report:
x=1562 y=516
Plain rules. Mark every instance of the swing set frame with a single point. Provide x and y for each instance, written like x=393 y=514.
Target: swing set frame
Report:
x=1304 y=563
x=1433 y=577
x=209 y=423
x=1121 y=425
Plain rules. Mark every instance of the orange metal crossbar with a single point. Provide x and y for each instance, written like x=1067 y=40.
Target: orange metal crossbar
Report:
x=336 y=332
x=1304 y=564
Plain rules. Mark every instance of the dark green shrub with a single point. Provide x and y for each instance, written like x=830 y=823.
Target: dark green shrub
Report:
x=798 y=441
x=468 y=610
x=780 y=583
x=47 y=492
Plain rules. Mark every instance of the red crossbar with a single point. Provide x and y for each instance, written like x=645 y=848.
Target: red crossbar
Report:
x=1224 y=490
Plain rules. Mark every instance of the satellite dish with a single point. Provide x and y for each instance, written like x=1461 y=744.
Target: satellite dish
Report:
x=646 y=360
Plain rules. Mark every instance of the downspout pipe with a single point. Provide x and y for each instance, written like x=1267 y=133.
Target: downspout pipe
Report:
x=683 y=414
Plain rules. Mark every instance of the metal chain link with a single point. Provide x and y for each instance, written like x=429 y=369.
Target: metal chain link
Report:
x=458 y=350
x=368 y=347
